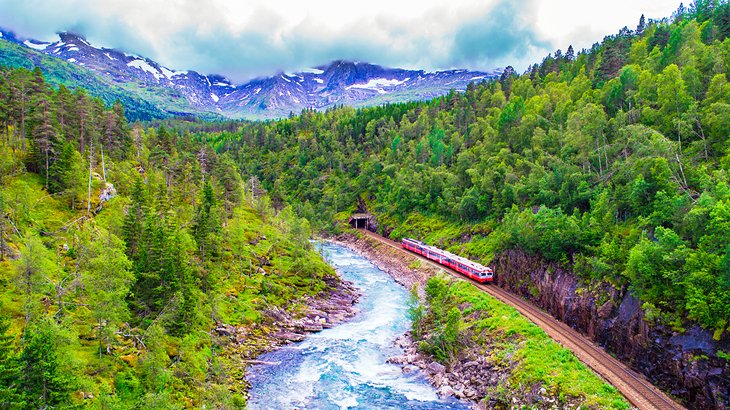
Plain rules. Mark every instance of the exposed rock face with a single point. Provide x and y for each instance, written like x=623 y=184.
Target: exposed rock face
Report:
x=683 y=364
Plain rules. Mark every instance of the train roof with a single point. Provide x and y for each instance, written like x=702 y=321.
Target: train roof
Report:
x=458 y=258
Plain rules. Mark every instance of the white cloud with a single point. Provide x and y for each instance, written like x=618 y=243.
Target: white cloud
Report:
x=242 y=39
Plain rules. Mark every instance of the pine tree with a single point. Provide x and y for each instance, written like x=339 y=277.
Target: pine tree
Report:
x=20 y=92
x=5 y=101
x=64 y=108
x=570 y=53
x=67 y=174
x=106 y=279
x=133 y=225
x=44 y=137
x=206 y=222
x=43 y=383
x=83 y=117
x=34 y=262
x=721 y=21
x=641 y=26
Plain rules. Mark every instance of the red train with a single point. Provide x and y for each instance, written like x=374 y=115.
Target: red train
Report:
x=462 y=265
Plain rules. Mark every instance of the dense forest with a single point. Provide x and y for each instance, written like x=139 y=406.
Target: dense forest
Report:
x=612 y=160
x=121 y=249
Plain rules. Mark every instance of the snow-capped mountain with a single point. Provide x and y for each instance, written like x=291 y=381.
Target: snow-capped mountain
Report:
x=343 y=83
x=338 y=83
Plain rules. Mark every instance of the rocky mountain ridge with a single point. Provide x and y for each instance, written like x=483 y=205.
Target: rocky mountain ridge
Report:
x=338 y=83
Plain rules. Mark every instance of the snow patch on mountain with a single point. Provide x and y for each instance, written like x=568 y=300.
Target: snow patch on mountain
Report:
x=145 y=66
x=36 y=46
x=316 y=71
x=167 y=72
x=377 y=84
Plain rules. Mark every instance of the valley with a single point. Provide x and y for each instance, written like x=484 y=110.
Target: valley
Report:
x=157 y=227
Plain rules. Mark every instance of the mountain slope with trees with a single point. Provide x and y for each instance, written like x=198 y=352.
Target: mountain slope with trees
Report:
x=122 y=250
x=612 y=162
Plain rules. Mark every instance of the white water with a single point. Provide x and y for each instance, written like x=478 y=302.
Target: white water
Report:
x=344 y=367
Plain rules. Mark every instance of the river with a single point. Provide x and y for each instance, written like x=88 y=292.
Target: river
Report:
x=345 y=367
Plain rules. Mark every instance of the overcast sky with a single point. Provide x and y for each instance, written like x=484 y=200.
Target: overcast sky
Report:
x=242 y=39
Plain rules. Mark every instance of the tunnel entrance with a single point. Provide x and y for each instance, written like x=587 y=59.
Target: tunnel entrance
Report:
x=360 y=221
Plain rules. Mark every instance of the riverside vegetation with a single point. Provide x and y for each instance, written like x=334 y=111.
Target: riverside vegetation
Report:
x=110 y=294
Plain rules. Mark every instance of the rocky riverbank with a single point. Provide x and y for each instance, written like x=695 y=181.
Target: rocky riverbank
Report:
x=243 y=344
x=406 y=272
x=468 y=378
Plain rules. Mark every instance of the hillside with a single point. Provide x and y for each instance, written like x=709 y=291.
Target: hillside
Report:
x=122 y=252
x=149 y=90
x=610 y=163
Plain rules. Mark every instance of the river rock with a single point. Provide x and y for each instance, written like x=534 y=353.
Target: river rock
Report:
x=397 y=360
x=290 y=336
x=445 y=391
x=312 y=327
x=436 y=367
x=471 y=363
x=225 y=330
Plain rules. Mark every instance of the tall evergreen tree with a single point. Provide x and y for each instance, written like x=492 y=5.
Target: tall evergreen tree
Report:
x=570 y=53
x=641 y=26
x=206 y=223
x=44 y=384
x=44 y=137
x=134 y=220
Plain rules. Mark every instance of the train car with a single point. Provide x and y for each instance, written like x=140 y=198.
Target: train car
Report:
x=464 y=266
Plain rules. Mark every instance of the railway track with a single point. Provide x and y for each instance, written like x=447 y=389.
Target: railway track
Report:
x=639 y=391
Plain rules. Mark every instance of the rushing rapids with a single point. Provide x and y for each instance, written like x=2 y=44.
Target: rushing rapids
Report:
x=345 y=366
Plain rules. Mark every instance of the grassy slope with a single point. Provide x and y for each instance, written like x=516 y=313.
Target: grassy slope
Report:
x=245 y=290
x=537 y=359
